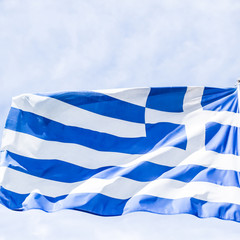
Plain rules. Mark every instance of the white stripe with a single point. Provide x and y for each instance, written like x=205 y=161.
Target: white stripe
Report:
x=137 y=96
x=204 y=116
x=213 y=160
x=121 y=188
x=16 y=142
x=155 y=116
x=194 y=125
x=173 y=157
x=192 y=99
x=73 y=116
x=173 y=189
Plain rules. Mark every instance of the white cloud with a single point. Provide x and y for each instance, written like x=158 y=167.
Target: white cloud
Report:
x=111 y=44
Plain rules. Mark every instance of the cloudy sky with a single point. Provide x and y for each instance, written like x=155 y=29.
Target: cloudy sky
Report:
x=60 y=45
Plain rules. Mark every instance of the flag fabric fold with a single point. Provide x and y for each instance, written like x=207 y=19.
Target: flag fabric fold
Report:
x=164 y=150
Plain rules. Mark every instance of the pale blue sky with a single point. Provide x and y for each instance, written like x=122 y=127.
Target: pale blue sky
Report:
x=60 y=45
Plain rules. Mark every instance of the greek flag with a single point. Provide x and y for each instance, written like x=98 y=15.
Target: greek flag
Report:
x=163 y=150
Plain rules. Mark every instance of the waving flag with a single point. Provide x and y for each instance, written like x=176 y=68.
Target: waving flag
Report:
x=162 y=150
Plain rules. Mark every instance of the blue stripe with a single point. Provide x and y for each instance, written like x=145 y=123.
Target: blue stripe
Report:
x=195 y=173
x=106 y=206
x=193 y=206
x=168 y=99
x=145 y=171
x=102 y=104
x=66 y=172
x=222 y=138
x=219 y=99
x=158 y=135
